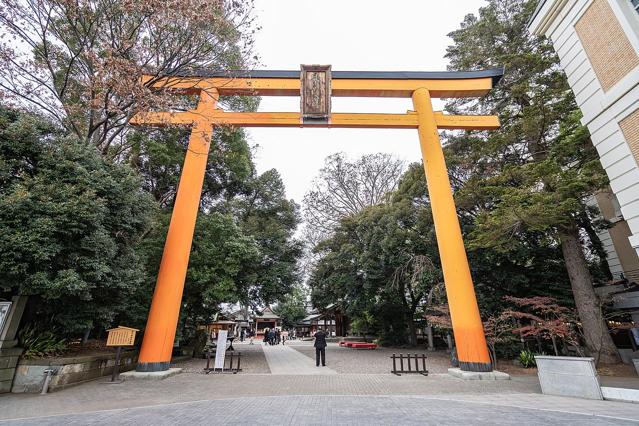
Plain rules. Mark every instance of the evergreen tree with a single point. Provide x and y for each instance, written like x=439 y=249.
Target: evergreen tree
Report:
x=70 y=225
x=526 y=183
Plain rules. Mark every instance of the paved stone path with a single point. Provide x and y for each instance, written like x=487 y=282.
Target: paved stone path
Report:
x=356 y=410
x=300 y=393
x=285 y=360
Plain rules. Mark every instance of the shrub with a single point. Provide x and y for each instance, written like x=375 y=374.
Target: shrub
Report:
x=527 y=359
x=40 y=343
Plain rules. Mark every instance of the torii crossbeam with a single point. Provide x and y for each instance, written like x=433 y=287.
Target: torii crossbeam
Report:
x=317 y=88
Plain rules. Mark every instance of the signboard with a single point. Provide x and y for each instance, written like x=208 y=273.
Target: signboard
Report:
x=315 y=92
x=4 y=313
x=121 y=336
x=220 y=352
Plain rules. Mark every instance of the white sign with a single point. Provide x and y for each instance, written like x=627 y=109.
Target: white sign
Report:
x=4 y=313
x=220 y=351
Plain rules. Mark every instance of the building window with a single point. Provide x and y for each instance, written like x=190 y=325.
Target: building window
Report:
x=635 y=4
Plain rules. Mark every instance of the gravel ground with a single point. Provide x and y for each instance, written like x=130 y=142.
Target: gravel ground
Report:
x=366 y=361
x=253 y=360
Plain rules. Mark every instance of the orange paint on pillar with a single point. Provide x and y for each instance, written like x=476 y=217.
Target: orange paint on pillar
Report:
x=157 y=346
x=472 y=350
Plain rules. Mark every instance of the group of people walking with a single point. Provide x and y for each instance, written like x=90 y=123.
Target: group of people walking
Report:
x=275 y=336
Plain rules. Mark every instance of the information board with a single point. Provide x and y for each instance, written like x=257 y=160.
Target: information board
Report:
x=220 y=352
x=121 y=336
x=4 y=313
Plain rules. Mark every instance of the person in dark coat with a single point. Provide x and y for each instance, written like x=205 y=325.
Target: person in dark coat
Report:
x=320 y=347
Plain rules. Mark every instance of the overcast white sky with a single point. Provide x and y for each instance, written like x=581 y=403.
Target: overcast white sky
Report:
x=361 y=35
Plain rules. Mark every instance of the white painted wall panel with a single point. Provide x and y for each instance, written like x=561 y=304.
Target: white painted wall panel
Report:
x=624 y=181
x=630 y=211
x=621 y=167
x=572 y=66
x=590 y=97
x=570 y=51
x=633 y=223
x=581 y=68
x=584 y=88
x=628 y=195
x=603 y=131
x=616 y=154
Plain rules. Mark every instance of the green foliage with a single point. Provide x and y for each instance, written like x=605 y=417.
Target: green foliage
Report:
x=264 y=213
x=158 y=155
x=527 y=359
x=38 y=342
x=80 y=62
x=532 y=175
x=219 y=268
x=292 y=307
x=361 y=324
x=359 y=264
x=69 y=225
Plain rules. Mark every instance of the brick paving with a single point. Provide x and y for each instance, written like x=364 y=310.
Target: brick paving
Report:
x=356 y=410
x=366 y=361
x=253 y=360
x=256 y=396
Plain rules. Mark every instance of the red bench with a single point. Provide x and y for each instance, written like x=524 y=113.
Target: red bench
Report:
x=350 y=344
x=358 y=345
x=362 y=345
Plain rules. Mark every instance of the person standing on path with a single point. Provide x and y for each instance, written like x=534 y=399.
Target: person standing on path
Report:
x=320 y=347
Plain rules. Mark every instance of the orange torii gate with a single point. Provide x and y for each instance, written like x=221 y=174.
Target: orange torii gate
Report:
x=315 y=85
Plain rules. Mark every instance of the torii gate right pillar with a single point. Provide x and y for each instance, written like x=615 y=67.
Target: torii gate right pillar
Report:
x=472 y=350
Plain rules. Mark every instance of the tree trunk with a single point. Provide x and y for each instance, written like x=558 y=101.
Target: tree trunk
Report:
x=429 y=333
x=595 y=330
x=412 y=330
x=554 y=345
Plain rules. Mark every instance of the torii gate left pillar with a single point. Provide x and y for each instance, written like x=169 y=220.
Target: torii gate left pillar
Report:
x=157 y=346
x=159 y=333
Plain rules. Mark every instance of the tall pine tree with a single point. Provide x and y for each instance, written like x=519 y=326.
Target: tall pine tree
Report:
x=535 y=173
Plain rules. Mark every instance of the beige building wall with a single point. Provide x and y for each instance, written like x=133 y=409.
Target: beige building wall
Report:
x=608 y=49
x=597 y=42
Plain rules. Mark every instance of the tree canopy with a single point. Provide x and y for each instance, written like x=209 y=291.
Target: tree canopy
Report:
x=534 y=175
x=69 y=224
x=81 y=62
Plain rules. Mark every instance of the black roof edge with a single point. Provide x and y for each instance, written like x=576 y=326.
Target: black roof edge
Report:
x=494 y=73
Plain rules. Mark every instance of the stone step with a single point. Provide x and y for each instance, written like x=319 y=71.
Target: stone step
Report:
x=620 y=394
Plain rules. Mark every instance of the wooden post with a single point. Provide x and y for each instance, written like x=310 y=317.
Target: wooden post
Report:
x=116 y=367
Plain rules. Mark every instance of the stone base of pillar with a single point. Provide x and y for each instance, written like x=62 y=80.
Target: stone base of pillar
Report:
x=155 y=375
x=151 y=367
x=476 y=375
